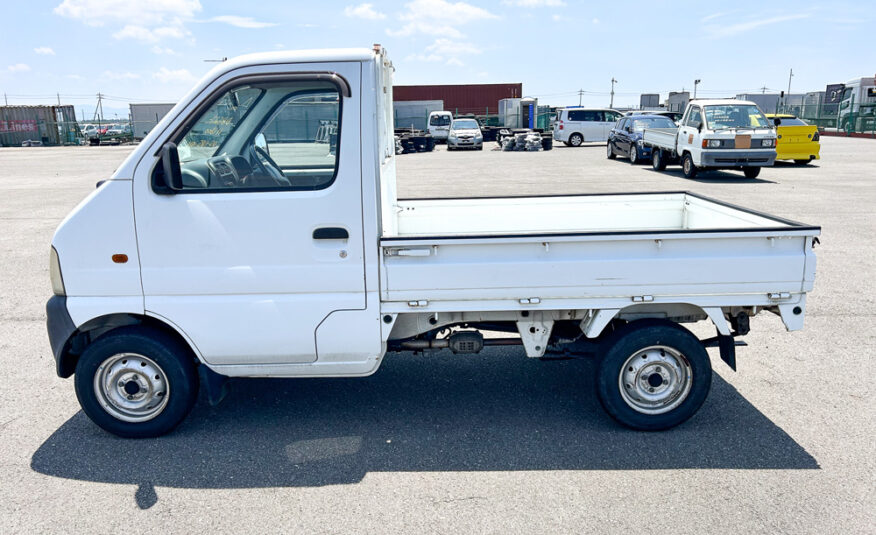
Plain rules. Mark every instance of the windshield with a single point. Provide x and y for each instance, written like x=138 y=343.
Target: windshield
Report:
x=735 y=116
x=465 y=124
x=205 y=137
x=439 y=120
x=652 y=122
x=792 y=121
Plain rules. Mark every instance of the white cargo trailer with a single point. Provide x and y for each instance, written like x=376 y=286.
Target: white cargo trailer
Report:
x=224 y=253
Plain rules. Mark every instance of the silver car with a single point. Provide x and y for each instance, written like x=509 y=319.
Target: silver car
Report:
x=465 y=134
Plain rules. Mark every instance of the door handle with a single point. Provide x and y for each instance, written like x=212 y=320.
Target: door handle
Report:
x=331 y=233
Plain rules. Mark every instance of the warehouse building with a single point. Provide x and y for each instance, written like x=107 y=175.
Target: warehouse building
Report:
x=478 y=99
x=50 y=125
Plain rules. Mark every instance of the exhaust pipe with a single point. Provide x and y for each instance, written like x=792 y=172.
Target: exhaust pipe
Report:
x=460 y=342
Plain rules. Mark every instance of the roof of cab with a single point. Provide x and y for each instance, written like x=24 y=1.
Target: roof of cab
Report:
x=298 y=56
x=719 y=101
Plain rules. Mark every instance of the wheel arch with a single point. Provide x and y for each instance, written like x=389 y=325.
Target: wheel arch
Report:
x=99 y=326
x=594 y=325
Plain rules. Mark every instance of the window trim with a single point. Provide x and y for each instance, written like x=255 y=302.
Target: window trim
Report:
x=159 y=186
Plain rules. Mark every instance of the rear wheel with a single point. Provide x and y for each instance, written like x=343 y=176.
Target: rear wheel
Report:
x=657 y=160
x=688 y=167
x=802 y=162
x=136 y=382
x=751 y=172
x=634 y=153
x=576 y=139
x=654 y=376
x=610 y=151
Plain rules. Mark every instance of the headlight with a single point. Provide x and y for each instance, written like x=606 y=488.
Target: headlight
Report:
x=55 y=273
x=768 y=142
x=714 y=143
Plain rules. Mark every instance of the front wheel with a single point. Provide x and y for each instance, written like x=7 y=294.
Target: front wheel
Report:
x=654 y=376
x=610 y=151
x=136 y=382
x=751 y=172
x=688 y=167
x=634 y=153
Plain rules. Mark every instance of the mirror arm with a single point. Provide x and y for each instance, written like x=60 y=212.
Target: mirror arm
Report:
x=170 y=166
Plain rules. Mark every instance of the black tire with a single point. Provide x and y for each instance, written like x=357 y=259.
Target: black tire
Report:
x=803 y=162
x=651 y=338
x=634 y=154
x=751 y=172
x=480 y=147
x=173 y=359
x=576 y=140
x=658 y=162
x=566 y=143
x=610 y=151
x=688 y=167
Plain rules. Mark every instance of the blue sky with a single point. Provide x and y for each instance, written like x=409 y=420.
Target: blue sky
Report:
x=154 y=50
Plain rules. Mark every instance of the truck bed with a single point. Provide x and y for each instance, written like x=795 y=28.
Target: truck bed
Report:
x=592 y=251
x=660 y=137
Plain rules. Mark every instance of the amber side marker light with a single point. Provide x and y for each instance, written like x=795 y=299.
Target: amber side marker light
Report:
x=120 y=258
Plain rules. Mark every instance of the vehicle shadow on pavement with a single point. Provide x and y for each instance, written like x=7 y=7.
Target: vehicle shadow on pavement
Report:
x=496 y=411
x=716 y=177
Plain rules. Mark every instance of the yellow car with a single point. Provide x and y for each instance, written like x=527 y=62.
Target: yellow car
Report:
x=797 y=140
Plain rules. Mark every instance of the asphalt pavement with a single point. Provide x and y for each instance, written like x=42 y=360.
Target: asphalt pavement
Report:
x=494 y=442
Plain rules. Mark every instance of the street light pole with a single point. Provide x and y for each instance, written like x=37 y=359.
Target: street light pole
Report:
x=696 y=83
x=613 y=81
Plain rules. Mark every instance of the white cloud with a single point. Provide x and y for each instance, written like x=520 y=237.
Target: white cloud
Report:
x=438 y=17
x=595 y=20
x=363 y=11
x=160 y=50
x=712 y=16
x=455 y=62
x=151 y=35
x=534 y=3
x=242 y=22
x=166 y=75
x=18 y=67
x=556 y=18
x=447 y=51
x=110 y=75
x=44 y=51
x=149 y=13
x=148 y=21
x=75 y=77
x=717 y=31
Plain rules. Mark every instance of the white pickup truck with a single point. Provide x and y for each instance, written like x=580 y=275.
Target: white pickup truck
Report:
x=715 y=134
x=241 y=238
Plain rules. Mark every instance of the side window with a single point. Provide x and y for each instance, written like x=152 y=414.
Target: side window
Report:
x=592 y=116
x=264 y=136
x=575 y=115
x=611 y=116
x=694 y=117
x=622 y=124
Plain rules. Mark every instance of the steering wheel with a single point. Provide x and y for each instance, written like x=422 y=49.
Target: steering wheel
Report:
x=270 y=166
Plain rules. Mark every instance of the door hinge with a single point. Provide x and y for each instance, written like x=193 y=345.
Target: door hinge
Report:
x=642 y=298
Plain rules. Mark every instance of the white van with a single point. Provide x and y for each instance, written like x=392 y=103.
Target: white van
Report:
x=439 y=124
x=575 y=125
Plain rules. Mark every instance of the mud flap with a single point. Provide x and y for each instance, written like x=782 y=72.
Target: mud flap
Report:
x=727 y=349
x=215 y=386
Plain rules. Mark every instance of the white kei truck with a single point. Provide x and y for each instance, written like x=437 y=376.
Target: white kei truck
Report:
x=256 y=232
x=715 y=134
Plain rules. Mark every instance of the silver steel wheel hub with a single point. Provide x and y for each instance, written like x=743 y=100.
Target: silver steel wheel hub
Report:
x=687 y=165
x=131 y=387
x=655 y=380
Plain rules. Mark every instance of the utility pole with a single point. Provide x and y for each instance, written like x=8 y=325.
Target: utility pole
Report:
x=580 y=94
x=613 y=81
x=696 y=83
x=763 y=90
x=5 y=99
x=59 y=99
x=788 y=94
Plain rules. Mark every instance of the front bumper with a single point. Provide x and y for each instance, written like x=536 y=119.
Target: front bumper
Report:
x=60 y=327
x=737 y=158
x=465 y=143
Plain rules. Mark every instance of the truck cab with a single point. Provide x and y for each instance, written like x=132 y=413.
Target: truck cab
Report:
x=439 y=124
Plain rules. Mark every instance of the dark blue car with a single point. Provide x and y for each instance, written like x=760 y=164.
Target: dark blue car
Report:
x=626 y=136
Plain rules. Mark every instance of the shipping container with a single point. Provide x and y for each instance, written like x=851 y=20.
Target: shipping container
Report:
x=414 y=113
x=51 y=125
x=144 y=117
x=478 y=99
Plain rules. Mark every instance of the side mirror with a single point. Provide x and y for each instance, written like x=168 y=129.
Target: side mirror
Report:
x=698 y=125
x=170 y=165
x=261 y=143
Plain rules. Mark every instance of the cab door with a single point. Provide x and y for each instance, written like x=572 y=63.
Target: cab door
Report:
x=688 y=132
x=265 y=239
